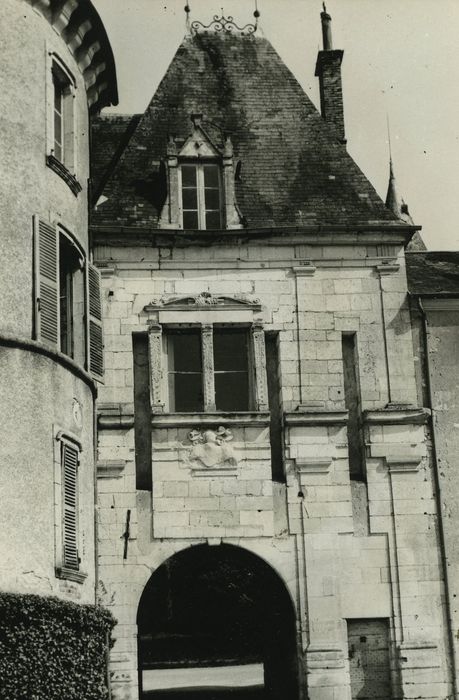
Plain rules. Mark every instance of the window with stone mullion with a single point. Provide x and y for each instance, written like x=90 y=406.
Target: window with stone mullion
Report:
x=201 y=196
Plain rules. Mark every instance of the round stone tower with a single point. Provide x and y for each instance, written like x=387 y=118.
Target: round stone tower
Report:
x=57 y=67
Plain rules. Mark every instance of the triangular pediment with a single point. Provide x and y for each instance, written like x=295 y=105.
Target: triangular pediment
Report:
x=198 y=145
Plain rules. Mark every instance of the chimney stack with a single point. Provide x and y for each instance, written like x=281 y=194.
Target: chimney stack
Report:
x=328 y=70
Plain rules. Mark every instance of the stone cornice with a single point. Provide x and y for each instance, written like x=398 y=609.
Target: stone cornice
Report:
x=313 y=234
x=246 y=419
x=81 y=28
x=315 y=417
x=397 y=415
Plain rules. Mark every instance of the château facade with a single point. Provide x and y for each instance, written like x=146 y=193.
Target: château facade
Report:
x=228 y=403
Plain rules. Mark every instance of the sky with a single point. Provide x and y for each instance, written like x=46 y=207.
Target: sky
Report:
x=400 y=63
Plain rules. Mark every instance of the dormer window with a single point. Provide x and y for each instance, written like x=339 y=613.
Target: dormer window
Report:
x=201 y=198
x=200 y=182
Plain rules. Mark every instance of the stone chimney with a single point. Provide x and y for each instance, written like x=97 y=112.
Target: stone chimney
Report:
x=328 y=70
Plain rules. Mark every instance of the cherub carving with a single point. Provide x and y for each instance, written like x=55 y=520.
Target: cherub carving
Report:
x=210 y=447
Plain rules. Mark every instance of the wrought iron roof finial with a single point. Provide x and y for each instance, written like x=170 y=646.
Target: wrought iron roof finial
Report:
x=224 y=25
x=187 y=9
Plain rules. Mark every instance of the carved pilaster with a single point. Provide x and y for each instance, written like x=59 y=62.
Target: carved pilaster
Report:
x=208 y=366
x=156 y=368
x=259 y=356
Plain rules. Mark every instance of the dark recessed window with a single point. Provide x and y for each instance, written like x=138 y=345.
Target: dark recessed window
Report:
x=231 y=370
x=185 y=371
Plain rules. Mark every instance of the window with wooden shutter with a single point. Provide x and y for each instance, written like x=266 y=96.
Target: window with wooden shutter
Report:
x=95 y=352
x=46 y=282
x=69 y=461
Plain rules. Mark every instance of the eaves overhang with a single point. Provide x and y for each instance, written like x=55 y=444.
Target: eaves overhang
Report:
x=318 y=234
x=81 y=28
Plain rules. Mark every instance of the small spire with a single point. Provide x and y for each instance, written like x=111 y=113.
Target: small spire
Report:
x=395 y=203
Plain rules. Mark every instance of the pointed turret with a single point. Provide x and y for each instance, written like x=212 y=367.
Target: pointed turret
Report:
x=395 y=203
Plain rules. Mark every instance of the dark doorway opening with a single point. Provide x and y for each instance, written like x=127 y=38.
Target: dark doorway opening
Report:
x=216 y=623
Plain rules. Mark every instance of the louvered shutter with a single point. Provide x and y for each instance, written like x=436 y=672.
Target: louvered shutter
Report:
x=70 y=506
x=95 y=352
x=46 y=282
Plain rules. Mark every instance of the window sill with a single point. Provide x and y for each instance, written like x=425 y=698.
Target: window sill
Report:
x=70 y=574
x=59 y=168
x=243 y=418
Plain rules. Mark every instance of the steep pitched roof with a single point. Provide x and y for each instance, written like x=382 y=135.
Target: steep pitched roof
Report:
x=294 y=171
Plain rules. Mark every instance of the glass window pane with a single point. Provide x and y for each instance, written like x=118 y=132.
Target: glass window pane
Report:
x=231 y=392
x=190 y=219
x=186 y=351
x=57 y=97
x=189 y=175
x=188 y=393
x=213 y=219
x=212 y=199
x=230 y=350
x=190 y=199
x=57 y=128
x=211 y=176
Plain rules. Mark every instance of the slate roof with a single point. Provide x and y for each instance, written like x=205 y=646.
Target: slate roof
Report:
x=294 y=171
x=433 y=273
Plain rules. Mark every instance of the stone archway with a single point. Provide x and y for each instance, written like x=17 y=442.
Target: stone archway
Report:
x=214 y=616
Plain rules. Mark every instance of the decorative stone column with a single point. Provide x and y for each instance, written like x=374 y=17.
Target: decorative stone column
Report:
x=259 y=356
x=155 y=333
x=207 y=340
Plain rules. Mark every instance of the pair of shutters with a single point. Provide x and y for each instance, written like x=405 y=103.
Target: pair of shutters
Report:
x=46 y=252
x=69 y=463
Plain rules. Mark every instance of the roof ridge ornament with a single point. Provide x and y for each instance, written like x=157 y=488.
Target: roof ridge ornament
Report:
x=221 y=24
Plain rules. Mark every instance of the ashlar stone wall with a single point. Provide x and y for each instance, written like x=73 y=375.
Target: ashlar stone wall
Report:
x=345 y=549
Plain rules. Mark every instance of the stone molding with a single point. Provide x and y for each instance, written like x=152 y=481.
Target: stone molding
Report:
x=313 y=465
x=110 y=468
x=185 y=420
x=315 y=417
x=388 y=267
x=306 y=268
x=110 y=416
x=397 y=415
x=403 y=464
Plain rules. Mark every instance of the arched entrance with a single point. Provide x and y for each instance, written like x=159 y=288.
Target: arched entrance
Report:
x=216 y=622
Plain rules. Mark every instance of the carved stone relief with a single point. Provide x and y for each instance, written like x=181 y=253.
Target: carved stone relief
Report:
x=208 y=366
x=259 y=352
x=204 y=299
x=210 y=448
x=156 y=372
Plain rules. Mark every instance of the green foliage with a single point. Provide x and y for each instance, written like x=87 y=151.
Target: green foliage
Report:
x=51 y=649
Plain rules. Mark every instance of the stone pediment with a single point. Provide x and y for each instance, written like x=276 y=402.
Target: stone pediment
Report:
x=199 y=145
x=204 y=300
